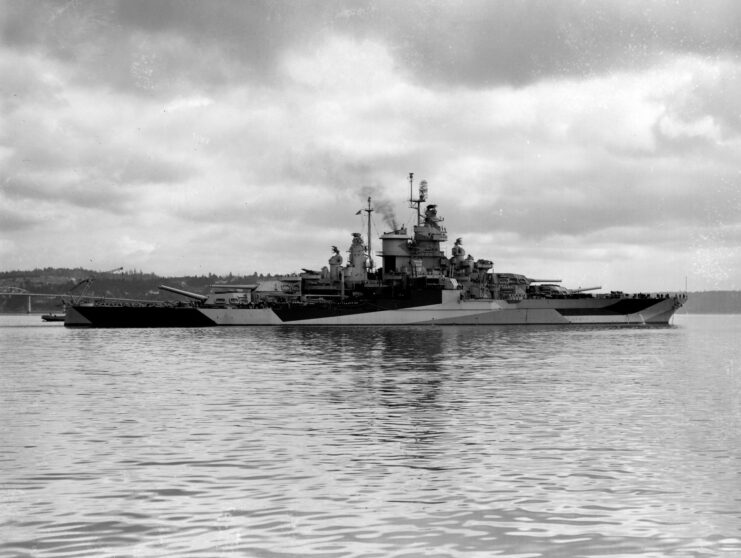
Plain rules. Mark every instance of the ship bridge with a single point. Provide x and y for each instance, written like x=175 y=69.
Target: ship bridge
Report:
x=418 y=254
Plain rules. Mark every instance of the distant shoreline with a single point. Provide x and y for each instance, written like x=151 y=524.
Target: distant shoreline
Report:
x=681 y=312
x=71 y=283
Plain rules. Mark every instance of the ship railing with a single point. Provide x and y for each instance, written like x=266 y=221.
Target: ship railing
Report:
x=648 y=296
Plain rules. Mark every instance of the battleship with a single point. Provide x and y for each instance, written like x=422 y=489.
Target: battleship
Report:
x=416 y=284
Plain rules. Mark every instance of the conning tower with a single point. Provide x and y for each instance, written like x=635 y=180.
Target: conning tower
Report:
x=417 y=254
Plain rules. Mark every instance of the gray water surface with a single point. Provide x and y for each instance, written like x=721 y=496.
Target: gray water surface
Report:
x=388 y=442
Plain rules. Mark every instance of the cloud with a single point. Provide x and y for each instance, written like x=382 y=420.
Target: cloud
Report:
x=132 y=247
x=188 y=103
x=179 y=136
x=16 y=219
x=170 y=44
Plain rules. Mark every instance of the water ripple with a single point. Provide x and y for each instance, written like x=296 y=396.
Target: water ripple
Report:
x=362 y=442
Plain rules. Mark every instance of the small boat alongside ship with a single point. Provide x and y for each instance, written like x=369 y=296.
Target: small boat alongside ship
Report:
x=417 y=284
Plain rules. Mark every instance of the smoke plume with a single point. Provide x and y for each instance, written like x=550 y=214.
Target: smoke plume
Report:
x=382 y=206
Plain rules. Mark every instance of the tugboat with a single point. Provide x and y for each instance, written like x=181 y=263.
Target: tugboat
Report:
x=417 y=284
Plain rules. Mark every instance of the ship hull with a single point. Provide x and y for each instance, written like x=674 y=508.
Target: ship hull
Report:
x=449 y=311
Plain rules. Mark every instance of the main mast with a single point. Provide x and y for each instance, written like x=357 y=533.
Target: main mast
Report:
x=370 y=252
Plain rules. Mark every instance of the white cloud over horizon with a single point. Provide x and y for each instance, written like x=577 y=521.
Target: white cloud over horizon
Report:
x=187 y=138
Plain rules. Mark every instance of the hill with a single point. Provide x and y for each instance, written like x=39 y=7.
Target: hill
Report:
x=713 y=302
x=144 y=286
x=68 y=283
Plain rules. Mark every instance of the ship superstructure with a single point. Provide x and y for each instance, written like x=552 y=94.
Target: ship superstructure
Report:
x=416 y=283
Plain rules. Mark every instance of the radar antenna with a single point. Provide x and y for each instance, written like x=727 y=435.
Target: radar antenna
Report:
x=416 y=203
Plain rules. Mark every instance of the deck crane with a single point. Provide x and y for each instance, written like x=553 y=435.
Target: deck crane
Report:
x=88 y=283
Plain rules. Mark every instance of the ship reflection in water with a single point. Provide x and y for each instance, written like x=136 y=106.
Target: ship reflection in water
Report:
x=372 y=441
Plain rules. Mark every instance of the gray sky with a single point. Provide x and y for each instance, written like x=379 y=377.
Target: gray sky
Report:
x=597 y=142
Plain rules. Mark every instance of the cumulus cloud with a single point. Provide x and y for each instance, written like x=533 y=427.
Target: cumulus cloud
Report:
x=186 y=137
x=477 y=43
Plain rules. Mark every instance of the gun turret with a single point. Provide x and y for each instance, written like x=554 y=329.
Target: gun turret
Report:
x=194 y=296
x=585 y=289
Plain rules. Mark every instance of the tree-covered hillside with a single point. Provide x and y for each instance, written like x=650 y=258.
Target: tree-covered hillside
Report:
x=144 y=286
x=76 y=282
x=713 y=302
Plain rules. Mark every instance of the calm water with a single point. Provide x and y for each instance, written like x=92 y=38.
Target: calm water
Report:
x=427 y=441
